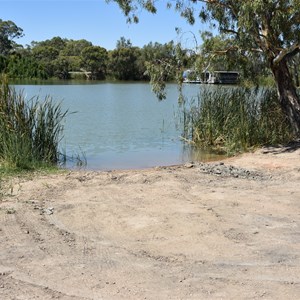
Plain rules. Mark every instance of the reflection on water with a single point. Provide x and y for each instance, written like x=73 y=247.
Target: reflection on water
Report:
x=120 y=125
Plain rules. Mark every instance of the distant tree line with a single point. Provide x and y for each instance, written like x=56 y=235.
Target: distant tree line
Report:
x=63 y=58
x=66 y=58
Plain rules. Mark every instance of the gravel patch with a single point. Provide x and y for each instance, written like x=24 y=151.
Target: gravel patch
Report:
x=220 y=169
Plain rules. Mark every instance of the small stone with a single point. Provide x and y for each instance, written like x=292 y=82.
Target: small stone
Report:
x=189 y=165
x=48 y=211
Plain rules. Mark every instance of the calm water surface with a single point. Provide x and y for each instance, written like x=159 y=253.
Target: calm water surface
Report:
x=120 y=125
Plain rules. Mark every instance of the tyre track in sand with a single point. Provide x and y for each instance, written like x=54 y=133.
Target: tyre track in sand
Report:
x=164 y=233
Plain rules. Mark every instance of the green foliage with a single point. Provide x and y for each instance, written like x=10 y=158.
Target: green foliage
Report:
x=75 y=47
x=94 y=60
x=221 y=52
x=123 y=61
x=169 y=67
x=24 y=67
x=236 y=119
x=30 y=130
x=45 y=56
x=8 y=32
x=268 y=27
x=123 y=43
x=271 y=27
x=61 y=66
x=56 y=42
x=62 y=58
x=3 y=62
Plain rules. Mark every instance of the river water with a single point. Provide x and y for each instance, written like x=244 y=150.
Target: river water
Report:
x=120 y=125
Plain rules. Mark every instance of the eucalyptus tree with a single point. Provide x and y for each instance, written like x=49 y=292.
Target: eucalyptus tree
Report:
x=62 y=67
x=123 y=61
x=72 y=52
x=94 y=60
x=295 y=67
x=8 y=32
x=123 y=43
x=46 y=56
x=269 y=27
x=158 y=53
x=212 y=56
x=56 y=42
x=74 y=47
x=163 y=62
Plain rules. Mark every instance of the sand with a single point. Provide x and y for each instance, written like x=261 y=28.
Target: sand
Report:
x=228 y=230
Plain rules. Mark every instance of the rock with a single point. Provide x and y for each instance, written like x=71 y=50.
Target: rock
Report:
x=189 y=165
x=48 y=211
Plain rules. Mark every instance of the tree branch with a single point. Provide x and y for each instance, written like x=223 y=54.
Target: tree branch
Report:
x=236 y=48
x=229 y=31
x=288 y=52
x=216 y=2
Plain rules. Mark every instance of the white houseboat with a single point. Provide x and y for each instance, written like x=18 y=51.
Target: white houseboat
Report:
x=214 y=77
x=223 y=77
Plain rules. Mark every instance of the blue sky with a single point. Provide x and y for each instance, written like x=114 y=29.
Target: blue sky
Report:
x=96 y=21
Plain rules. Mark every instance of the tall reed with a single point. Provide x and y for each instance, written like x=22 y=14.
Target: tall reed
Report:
x=233 y=119
x=30 y=130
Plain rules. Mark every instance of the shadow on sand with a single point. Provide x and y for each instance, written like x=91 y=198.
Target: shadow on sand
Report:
x=288 y=148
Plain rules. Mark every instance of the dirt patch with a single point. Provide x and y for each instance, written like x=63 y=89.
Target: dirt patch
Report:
x=228 y=230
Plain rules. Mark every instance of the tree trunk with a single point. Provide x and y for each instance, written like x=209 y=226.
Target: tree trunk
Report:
x=296 y=74
x=288 y=97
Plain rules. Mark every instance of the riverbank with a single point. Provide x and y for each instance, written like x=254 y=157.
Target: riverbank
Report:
x=225 y=230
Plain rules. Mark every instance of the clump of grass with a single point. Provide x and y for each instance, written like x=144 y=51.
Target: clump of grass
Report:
x=236 y=119
x=30 y=130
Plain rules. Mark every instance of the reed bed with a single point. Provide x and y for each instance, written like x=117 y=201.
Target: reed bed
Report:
x=235 y=119
x=30 y=130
